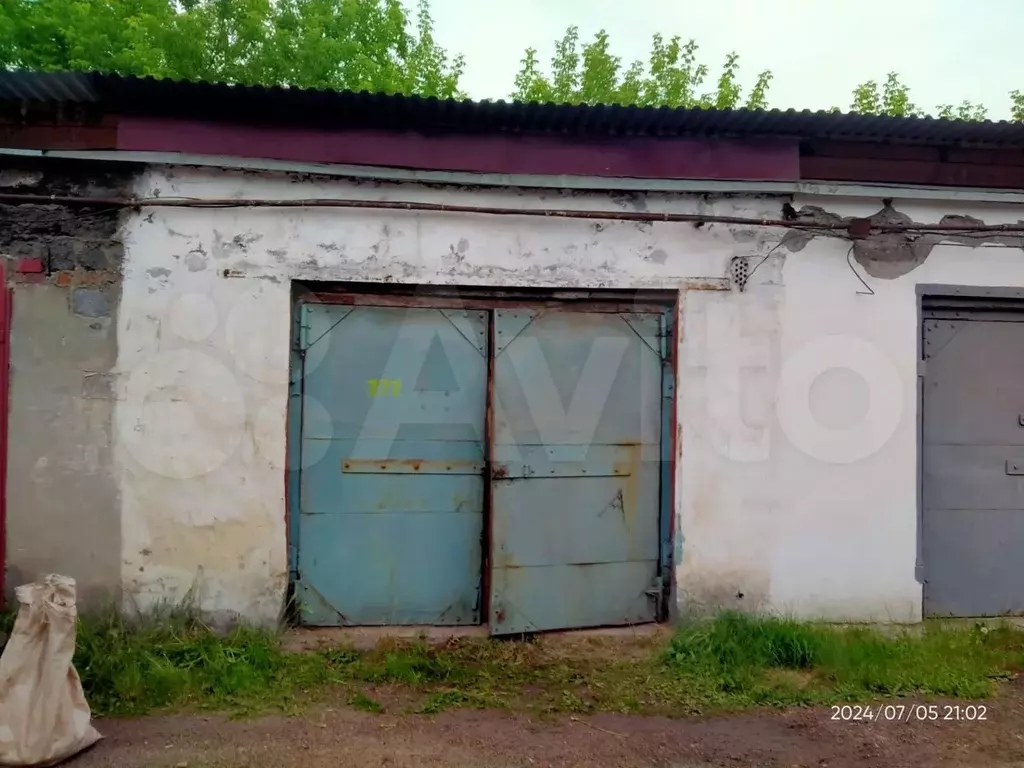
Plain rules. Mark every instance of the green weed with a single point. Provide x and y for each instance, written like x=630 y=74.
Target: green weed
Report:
x=178 y=661
x=732 y=661
x=415 y=664
x=746 y=659
x=361 y=701
x=442 y=700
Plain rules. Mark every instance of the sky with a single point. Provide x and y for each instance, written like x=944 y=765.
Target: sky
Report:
x=819 y=50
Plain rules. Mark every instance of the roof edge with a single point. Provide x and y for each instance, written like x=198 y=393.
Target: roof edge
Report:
x=252 y=103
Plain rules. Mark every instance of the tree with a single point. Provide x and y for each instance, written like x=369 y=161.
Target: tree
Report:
x=591 y=74
x=63 y=34
x=368 y=45
x=378 y=46
x=965 y=110
x=894 y=101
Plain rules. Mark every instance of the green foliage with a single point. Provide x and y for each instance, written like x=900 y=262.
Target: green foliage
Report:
x=369 y=45
x=591 y=74
x=174 y=662
x=378 y=46
x=447 y=699
x=734 y=641
x=361 y=701
x=738 y=655
x=410 y=665
x=894 y=100
x=965 y=110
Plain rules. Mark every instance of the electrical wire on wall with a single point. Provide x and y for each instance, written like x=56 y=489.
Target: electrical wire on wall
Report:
x=847 y=230
x=767 y=256
x=840 y=229
x=821 y=233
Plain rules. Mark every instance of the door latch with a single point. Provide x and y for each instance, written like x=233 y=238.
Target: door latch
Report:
x=656 y=590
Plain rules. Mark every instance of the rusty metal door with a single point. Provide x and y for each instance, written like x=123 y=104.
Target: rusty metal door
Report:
x=972 y=458
x=575 y=469
x=392 y=465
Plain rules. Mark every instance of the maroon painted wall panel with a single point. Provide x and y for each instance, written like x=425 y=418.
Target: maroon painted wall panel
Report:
x=986 y=156
x=912 y=172
x=868 y=150
x=515 y=154
x=636 y=157
x=864 y=150
x=58 y=136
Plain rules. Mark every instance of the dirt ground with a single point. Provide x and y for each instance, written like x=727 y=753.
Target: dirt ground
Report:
x=338 y=737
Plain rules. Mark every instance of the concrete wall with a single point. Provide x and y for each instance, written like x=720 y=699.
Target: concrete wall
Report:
x=799 y=413
x=63 y=498
x=797 y=478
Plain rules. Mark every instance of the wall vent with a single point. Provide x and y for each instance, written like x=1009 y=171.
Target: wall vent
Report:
x=739 y=271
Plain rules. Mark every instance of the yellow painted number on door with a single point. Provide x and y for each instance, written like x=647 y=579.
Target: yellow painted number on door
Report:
x=385 y=387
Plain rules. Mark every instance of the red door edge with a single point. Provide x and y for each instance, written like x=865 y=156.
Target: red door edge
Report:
x=5 y=382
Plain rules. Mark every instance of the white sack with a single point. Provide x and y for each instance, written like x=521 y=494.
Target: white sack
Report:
x=44 y=717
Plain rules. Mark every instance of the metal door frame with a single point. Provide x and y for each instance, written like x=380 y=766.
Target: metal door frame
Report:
x=997 y=295
x=668 y=303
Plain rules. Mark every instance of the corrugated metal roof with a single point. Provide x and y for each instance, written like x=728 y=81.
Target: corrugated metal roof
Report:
x=347 y=109
x=47 y=86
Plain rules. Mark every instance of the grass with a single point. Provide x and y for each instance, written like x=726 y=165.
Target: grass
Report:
x=361 y=701
x=739 y=659
x=730 y=662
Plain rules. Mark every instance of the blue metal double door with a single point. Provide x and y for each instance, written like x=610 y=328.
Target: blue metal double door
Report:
x=456 y=466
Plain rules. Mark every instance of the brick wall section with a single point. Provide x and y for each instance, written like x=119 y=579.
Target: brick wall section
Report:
x=54 y=243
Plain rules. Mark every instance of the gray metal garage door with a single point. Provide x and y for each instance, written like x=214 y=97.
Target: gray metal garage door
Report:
x=576 y=483
x=973 y=457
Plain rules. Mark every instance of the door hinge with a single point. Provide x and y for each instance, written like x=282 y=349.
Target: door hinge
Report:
x=302 y=339
x=665 y=337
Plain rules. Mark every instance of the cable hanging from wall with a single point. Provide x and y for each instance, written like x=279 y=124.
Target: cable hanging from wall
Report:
x=849 y=260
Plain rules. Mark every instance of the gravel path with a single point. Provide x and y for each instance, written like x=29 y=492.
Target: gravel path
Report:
x=339 y=737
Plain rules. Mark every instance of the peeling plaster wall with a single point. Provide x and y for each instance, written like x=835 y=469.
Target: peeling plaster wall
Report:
x=799 y=418
x=773 y=513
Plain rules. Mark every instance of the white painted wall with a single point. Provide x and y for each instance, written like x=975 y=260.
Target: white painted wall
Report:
x=768 y=508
